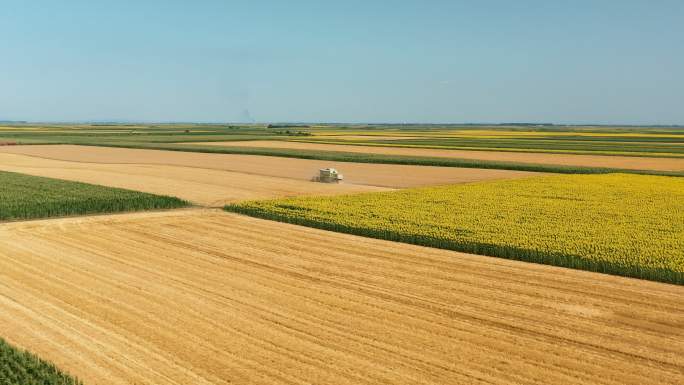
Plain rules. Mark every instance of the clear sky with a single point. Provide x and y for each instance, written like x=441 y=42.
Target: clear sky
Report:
x=579 y=61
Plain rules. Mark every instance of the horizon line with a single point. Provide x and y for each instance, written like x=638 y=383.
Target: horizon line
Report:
x=216 y=122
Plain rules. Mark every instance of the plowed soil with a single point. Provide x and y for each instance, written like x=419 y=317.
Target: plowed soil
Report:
x=206 y=297
x=626 y=162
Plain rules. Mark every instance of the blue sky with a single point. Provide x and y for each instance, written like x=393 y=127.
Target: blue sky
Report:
x=427 y=61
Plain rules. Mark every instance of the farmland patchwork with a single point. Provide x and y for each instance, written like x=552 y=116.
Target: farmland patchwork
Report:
x=204 y=296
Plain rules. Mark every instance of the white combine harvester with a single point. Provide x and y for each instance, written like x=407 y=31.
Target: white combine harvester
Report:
x=328 y=175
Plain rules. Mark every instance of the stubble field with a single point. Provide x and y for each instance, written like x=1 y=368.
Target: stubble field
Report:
x=207 y=297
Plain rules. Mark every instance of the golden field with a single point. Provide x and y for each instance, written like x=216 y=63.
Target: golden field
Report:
x=199 y=185
x=208 y=297
x=172 y=170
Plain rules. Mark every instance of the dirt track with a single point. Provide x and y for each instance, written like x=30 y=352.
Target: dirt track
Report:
x=627 y=162
x=205 y=297
x=136 y=167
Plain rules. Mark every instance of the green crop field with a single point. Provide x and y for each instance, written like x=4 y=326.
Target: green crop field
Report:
x=25 y=197
x=19 y=367
x=631 y=225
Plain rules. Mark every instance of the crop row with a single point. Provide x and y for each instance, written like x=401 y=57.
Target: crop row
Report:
x=18 y=367
x=25 y=197
x=553 y=146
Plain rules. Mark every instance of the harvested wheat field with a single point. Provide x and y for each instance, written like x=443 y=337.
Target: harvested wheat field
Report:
x=380 y=175
x=201 y=186
x=624 y=162
x=206 y=297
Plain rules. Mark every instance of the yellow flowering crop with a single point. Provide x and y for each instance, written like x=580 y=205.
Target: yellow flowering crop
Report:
x=622 y=224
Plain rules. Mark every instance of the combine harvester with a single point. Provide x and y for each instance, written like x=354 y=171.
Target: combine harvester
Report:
x=328 y=175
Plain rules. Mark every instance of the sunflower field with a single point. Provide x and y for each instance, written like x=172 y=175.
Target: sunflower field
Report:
x=623 y=224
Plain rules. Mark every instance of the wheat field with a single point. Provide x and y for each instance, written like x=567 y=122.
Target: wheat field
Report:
x=207 y=297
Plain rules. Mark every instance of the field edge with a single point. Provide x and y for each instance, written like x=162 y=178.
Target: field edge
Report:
x=341 y=156
x=90 y=204
x=25 y=367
